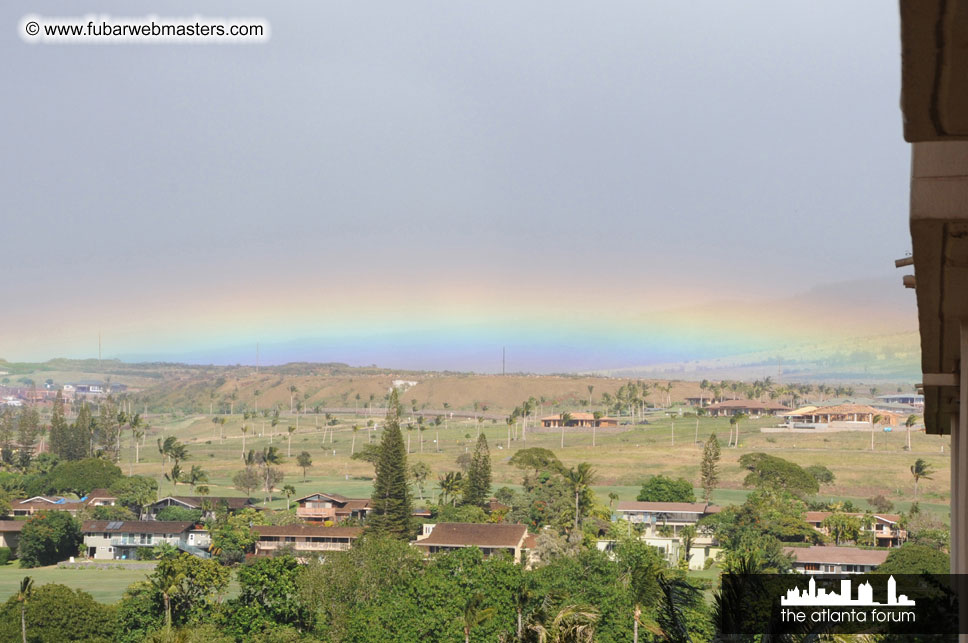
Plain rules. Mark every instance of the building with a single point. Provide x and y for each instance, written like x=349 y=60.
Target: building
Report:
x=490 y=538
x=579 y=419
x=752 y=408
x=10 y=533
x=207 y=504
x=117 y=539
x=835 y=560
x=304 y=540
x=910 y=399
x=662 y=526
x=332 y=507
x=100 y=498
x=31 y=506
x=886 y=528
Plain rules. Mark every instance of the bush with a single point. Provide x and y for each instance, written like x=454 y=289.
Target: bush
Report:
x=915 y=559
x=5 y=555
x=57 y=613
x=880 y=503
x=821 y=474
x=664 y=489
x=48 y=538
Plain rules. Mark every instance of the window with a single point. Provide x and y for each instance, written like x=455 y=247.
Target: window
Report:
x=811 y=567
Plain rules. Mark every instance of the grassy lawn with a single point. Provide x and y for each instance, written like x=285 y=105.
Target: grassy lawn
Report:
x=105 y=585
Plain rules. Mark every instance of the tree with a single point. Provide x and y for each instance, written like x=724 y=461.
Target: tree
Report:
x=290 y=430
x=475 y=613
x=270 y=475
x=450 y=484
x=304 y=460
x=28 y=425
x=246 y=480
x=477 y=484
x=770 y=472
x=567 y=624
x=662 y=488
x=82 y=476
x=196 y=477
x=911 y=558
x=875 y=420
x=187 y=584
x=391 y=494
x=268 y=598
x=53 y=613
x=419 y=472
x=908 y=423
x=135 y=492
x=821 y=474
x=580 y=479
x=920 y=470
x=842 y=527
x=245 y=429
x=709 y=468
x=59 y=432
x=48 y=538
x=26 y=587
x=290 y=491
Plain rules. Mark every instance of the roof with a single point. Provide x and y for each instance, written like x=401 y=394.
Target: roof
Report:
x=332 y=496
x=667 y=507
x=748 y=404
x=577 y=415
x=6 y=526
x=195 y=502
x=848 y=409
x=803 y=410
x=837 y=555
x=307 y=530
x=466 y=534
x=136 y=526
x=819 y=516
x=99 y=494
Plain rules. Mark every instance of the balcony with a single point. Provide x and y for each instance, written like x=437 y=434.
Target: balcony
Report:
x=315 y=512
x=302 y=545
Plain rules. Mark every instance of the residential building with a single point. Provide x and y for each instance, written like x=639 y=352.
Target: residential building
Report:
x=840 y=416
x=886 y=528
x=323 y=507
x=305 y=540
x=117 y=539
x=578 y=419
x=31 y=506
x=752 y=408
x=208 y=504
x=835 y=560
x=491 y=538
x=10 y=533
x=100 y=498
x=662 y=526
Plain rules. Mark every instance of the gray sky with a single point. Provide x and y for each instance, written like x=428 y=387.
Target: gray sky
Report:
x=441 y=158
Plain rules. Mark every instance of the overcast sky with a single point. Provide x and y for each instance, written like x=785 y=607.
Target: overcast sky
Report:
x=456 y=169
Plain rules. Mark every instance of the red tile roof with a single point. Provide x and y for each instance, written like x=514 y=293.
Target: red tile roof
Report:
x=465 y=534
x=837 y=555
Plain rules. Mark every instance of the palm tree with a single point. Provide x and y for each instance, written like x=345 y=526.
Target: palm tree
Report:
x=569 y=624
x=291 y=429
x=475 y=613
x=290 y=491
x=196 y=476
x=268 y=457
x=909 y=422
x=450 y=485
x=565 y=419
x=920 y=470
x=26 y=589
x=579 y=478
x=137 y=432
x=734 y=421
x=245 y=429
x=292 y=392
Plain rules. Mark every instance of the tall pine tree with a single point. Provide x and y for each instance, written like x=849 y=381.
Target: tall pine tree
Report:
x=391 y=494
x=7 y=435
x=709 y=469
x=59 y=432
x=477 y=488
x=28 y=425
x=80 y=442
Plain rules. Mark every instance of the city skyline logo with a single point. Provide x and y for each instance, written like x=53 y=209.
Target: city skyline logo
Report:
x=813 y=596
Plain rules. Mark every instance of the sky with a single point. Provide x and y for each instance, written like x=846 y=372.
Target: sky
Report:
x=420 y=184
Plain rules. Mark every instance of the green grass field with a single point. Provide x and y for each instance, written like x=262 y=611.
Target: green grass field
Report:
x=106 y=585
x=623 y=457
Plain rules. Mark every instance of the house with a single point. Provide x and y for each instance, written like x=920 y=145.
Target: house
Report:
x=579 y=419
x=305 y=540
x=886 y=528
x=10 y=533
x=121 y=539
x=910 y=399
x=322 y=507
x=858 y=416
x=207 y=504
x=31 y=506
x=491 y=538
x=662 y=527
x=835 y=560
x=752 y=408
x=100 y=498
